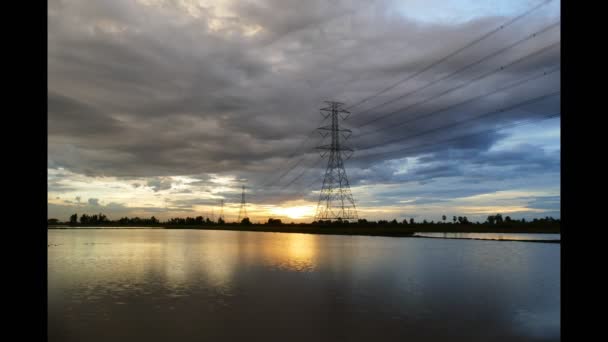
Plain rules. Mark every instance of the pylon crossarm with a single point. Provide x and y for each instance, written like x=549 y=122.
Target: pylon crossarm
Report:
x=330 y=128
x=324 y=147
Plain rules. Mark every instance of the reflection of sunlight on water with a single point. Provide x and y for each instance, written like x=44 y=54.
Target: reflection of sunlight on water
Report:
x=175 y=271
x=193 y=281
x=217 y=263
x=295 y=252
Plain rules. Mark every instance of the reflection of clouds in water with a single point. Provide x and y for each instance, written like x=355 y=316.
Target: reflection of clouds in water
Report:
x=217 y=276
x=538 y=324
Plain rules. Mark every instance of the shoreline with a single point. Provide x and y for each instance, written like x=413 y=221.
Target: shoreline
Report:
x=480 y=239
x=374 y=230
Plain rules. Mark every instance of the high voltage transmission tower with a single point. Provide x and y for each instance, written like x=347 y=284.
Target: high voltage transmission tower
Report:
x=221 y=217
x=243 y=210
x=336 y=200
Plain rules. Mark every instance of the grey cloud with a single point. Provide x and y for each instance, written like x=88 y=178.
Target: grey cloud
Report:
x=94 y=202
x=159 y=184
x=113 y=210
x=148 y=91
x=546 y=203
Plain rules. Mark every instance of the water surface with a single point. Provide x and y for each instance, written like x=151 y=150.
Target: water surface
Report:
x=200 y=285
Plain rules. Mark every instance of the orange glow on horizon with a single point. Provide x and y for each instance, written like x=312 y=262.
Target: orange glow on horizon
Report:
x=295 y=212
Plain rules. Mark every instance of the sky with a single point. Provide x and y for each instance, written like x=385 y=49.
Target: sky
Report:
x=164 y=108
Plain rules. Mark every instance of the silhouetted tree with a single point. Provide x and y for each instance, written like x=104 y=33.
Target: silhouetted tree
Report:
x=246 y=221
x=491 y=219
x=443 y=217
x=454 y=219
x=74 y=219
x=52 y=221
x=412 y=220
x=278 y=221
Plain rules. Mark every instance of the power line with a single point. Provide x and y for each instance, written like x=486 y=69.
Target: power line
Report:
x=426 y=146
x=463 y=85
x=282 y=167
x=484 y=36
x=536 y=99
x=423 y=146
x=518 y=83
x=302 y=173
x=496 y=53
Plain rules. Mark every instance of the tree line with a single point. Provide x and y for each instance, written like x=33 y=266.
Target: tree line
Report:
x=456 y=220
x=101 y=219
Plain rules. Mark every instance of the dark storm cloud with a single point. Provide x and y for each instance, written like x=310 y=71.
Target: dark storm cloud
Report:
x=151 y=91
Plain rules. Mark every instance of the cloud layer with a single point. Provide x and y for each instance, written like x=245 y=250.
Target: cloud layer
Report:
x=142 y=92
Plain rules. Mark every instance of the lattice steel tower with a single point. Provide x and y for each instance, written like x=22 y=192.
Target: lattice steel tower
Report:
x=221 y=217
x=336 y=200
x=243 y=210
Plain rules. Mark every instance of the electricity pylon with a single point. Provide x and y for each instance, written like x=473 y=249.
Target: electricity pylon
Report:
x=336 y=200
x=221 y=217
x=243 y=210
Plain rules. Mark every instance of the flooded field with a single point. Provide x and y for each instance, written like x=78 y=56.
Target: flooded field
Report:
x=203 y=285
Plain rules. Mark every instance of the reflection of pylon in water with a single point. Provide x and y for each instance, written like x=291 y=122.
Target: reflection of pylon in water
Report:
x=243 y=210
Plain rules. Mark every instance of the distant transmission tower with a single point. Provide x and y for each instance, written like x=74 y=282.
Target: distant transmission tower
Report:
x=221 y=211
x=243 y=210
x=335 y=201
